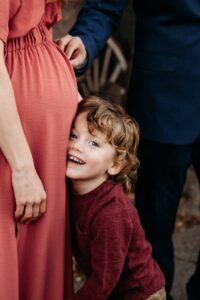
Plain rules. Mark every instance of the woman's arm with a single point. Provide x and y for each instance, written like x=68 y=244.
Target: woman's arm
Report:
x=28 y=189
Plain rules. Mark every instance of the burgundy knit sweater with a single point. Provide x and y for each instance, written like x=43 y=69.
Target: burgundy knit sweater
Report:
x=110 y=247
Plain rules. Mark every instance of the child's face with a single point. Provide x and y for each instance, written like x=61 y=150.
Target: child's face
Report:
x=90 y=157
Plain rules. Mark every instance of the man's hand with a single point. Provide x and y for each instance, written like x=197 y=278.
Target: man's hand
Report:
x=74 y=49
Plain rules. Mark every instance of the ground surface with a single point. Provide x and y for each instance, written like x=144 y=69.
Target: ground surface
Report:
x=187 y=236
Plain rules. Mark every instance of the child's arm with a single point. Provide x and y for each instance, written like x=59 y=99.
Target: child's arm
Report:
x=111 y=231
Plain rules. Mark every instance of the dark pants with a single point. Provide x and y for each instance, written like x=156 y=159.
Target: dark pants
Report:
x=160 y=183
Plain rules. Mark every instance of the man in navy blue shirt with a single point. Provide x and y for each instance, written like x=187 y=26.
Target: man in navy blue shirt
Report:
x=164 y=97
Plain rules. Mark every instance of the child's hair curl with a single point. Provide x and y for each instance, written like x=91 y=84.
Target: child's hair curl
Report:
x=120 y=130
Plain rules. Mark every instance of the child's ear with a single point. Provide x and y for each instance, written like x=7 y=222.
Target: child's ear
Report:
x=115 y=168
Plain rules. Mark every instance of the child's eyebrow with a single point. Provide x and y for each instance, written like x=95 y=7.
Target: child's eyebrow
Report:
x=99 y=139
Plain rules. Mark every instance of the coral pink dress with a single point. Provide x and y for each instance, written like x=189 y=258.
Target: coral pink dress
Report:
x=35 y=259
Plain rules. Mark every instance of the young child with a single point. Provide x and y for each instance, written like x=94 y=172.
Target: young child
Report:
x=108 y=240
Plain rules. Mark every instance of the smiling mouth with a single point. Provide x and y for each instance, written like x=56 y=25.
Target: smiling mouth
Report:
x=75 y=160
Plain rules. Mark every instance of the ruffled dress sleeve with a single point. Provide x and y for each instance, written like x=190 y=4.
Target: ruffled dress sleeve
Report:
x=4 y=19
x=52 y=13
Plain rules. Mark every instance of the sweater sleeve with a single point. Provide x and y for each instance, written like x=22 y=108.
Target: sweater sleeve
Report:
x=95 y=24
x=111 y=231
x=4 y=19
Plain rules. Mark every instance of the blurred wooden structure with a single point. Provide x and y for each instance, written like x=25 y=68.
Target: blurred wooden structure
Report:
x=105 y=75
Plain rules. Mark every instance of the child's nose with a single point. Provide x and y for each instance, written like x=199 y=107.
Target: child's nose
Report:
x=78 y=145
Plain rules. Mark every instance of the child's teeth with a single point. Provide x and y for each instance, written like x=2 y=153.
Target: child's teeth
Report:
x=76 y=160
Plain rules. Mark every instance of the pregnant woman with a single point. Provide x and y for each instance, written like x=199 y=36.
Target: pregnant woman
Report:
x=38 y=99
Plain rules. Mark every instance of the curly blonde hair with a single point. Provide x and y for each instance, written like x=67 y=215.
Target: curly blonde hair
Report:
x=120 y=130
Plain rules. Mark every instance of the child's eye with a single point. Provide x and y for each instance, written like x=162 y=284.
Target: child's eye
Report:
x=72 y=136
x=94 y=144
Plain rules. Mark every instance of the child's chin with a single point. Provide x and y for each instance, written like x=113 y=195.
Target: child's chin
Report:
x=68 y=175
